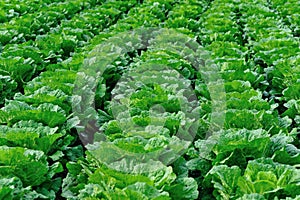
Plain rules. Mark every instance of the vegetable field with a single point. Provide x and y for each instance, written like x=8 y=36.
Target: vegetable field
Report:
x=150 y=99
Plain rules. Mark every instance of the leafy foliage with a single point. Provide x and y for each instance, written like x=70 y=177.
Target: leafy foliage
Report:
x=152 y=124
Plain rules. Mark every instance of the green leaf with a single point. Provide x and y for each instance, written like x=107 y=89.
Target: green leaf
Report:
x=225 y=180
x=15 y=160
x=183 y=188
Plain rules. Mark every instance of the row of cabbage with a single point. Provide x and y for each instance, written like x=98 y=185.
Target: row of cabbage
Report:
x=36 y=126
x=251 y=43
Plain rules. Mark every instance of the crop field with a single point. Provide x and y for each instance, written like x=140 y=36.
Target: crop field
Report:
x=150 y=99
